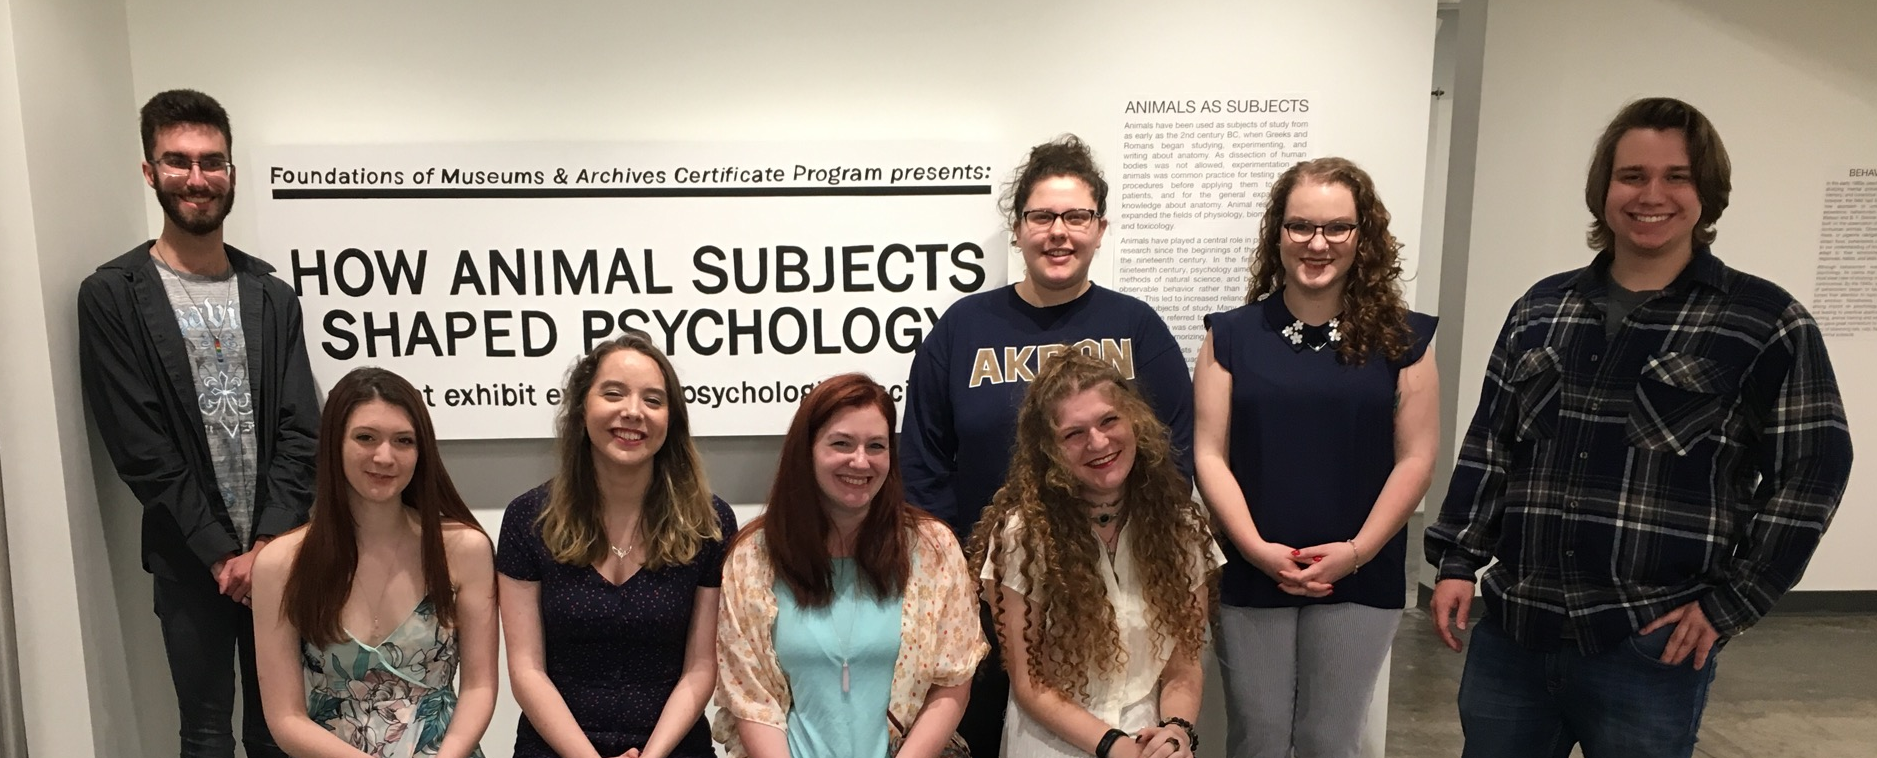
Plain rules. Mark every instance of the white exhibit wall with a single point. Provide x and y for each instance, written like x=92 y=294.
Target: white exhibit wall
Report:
x=1792 y=87
x=92 y=671
x=417 y=73
x=437 y=73
x=69 y=199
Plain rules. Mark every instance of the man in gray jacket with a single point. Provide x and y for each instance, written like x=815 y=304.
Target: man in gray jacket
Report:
x=196 y=374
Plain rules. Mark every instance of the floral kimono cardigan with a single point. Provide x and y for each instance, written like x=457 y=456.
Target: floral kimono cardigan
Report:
x=940 y=640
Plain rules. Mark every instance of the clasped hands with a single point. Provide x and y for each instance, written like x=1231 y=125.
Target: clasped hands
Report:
x=1158 y=742
x=235 y=571
x=1307 y=571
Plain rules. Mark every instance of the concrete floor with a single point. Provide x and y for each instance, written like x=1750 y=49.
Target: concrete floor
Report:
x=1792 y=686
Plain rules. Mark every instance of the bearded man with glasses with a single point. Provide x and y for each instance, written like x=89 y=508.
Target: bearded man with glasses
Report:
x=196 y=374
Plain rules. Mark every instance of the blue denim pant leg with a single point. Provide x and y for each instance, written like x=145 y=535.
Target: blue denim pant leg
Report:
x=1510 y=704
x=1623 y=702
x=1626 y=702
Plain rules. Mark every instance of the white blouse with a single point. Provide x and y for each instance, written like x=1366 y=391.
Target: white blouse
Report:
x=1129 y=700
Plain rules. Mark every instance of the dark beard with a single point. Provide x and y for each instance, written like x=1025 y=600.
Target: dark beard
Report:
x=197 y=226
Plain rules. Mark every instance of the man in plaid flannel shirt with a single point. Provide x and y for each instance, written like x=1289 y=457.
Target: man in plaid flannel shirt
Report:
x=1658 y=449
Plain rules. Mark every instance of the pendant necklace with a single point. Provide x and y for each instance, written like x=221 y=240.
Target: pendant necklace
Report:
x=215 y=334
x=622 y=552
x=834 y=601
x=378 y=605
x=375 y=606
x=848 y=639
x=1103 y=515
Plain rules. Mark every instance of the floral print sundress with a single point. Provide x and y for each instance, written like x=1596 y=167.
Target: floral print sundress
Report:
x=393 y=700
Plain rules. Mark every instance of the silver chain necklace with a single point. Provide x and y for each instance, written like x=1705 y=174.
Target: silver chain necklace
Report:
x=182 y=280
x=622 y=552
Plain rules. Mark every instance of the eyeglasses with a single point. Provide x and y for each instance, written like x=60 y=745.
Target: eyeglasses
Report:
x=213 y=167
x=1304 y=231
x=1074 y=218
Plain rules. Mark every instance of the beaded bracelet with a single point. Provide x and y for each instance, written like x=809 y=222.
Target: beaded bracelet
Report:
x=1358 y=556
x=1192 y=734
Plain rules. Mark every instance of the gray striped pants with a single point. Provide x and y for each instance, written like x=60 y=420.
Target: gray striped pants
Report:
x=1301 y=678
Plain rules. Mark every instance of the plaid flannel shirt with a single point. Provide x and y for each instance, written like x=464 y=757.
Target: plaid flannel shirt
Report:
x=1696 y=456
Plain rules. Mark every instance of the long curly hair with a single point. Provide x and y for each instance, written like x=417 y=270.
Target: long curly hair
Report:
x=1073 y=632
x=1375 y=316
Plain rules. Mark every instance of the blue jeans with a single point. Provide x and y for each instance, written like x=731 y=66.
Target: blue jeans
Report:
x=1620 y=702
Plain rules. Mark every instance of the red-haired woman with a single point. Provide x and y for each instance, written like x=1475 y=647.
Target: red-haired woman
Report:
x=842 y=598
x=362 y=617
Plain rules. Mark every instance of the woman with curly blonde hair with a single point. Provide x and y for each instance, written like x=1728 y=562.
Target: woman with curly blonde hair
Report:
x=1096 y=561
x=1316 y=426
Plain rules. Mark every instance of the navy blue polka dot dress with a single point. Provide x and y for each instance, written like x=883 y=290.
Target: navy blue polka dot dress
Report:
x=614 y=651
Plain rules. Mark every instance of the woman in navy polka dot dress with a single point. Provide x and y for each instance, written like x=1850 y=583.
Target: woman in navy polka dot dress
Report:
x=610 y=571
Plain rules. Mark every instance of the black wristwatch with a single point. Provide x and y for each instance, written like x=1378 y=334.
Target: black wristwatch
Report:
x=1192 y=734
x=1107 y=742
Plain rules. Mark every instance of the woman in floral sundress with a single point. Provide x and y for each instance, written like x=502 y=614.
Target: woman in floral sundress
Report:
x=358 y=637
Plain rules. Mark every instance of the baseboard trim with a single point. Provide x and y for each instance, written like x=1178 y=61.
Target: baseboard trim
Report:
x=1799 y=603
x=1822 y=602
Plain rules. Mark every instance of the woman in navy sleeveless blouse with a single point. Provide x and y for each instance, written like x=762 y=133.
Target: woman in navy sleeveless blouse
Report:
x=1316 y=425
x=610 y=571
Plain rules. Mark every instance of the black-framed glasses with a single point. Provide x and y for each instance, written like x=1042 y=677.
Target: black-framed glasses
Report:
x=1304 y=231
x=1074 y=218
x=179 y=166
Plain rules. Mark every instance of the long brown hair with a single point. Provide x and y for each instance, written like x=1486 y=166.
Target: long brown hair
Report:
x=677 y=516
x=1375 y=316
x=794 y=526
x=1072 y=631
x=323 y=570
x=1707 y=157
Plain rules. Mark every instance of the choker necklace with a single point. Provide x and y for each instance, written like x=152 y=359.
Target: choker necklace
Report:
x=1104 y=514
x=1302 y=335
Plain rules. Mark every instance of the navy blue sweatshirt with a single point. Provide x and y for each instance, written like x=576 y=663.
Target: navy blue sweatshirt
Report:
x=971 y=372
